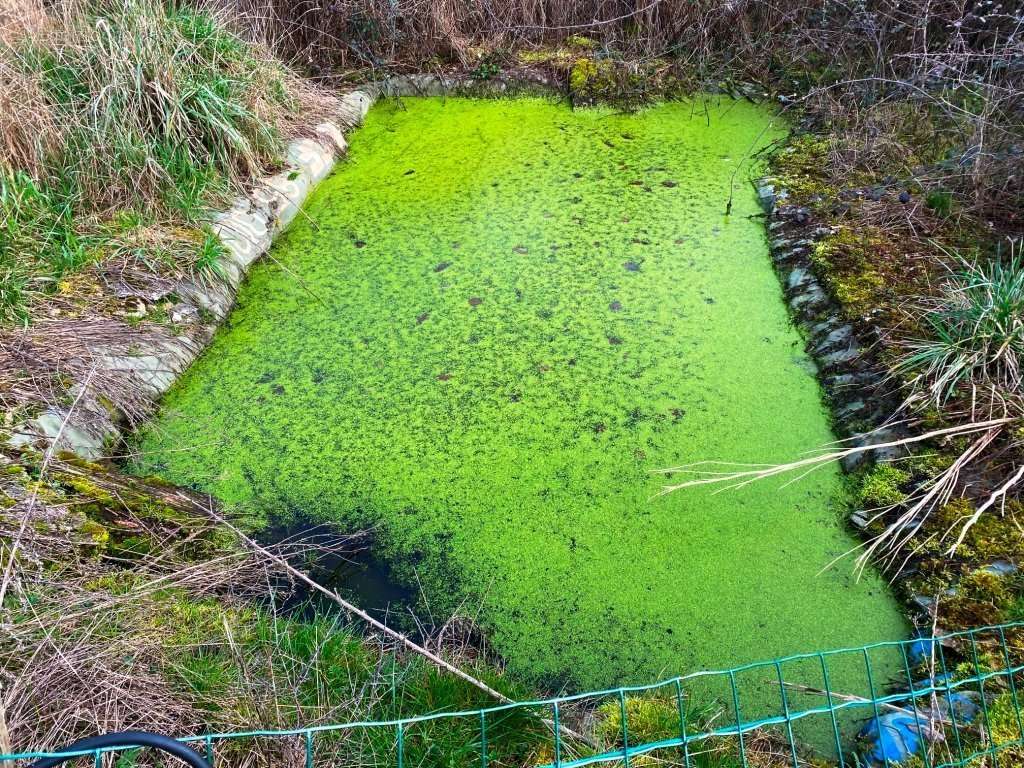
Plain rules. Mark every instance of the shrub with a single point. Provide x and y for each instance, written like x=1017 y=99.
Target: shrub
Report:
x=976 y=332
x=139 y=97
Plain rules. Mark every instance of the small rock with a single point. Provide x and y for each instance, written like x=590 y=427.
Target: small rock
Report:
x=811 y=299
x=822 y=329
x=797 y=278
x=1000 y=568
x=923 y=602
x=845 y=380
x=839 y=357
x=785 y=256
x=138 y=309
x=850 y=410
x=853 y=461
x=840 y=337
x=631 y=266
x=184 y=313
x=475 y=301
x=904 y=197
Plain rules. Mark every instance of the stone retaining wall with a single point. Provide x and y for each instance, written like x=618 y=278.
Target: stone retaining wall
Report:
x=846 y=370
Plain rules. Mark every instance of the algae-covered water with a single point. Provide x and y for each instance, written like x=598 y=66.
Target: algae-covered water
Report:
x=496 y=318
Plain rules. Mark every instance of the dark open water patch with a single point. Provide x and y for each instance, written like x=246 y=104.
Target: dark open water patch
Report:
x=343 y=564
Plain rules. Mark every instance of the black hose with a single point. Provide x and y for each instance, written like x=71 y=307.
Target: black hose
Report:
x=128 y=739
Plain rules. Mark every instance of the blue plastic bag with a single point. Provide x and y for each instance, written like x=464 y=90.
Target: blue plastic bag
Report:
x=893 y=736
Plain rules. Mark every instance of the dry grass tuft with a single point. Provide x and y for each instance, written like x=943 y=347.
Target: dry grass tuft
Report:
x=136 y=95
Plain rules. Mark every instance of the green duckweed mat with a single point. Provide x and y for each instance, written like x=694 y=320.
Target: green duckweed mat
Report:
x=494 y=320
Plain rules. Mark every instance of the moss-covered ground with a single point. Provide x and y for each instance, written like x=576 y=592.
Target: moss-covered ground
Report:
x=493 y=322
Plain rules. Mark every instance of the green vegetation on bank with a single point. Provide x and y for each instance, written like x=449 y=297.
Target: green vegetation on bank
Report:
x=939 y=294
x=122 y=118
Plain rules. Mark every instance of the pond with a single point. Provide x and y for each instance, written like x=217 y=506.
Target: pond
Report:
x=492 y=323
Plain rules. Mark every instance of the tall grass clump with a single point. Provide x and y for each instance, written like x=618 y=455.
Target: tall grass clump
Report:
x=975 y=332
x=114 y=105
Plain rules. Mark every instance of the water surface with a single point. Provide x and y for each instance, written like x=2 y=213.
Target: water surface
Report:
x=495 y=319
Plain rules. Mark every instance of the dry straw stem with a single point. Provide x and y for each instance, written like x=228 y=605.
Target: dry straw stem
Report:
x=887 y=545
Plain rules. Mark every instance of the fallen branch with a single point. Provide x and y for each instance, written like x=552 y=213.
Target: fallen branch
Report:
x=930 y=495
x=740 y=478
x=993 y=497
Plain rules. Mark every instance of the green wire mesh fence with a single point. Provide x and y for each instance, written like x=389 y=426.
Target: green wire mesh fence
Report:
x=936 y=702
